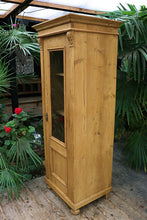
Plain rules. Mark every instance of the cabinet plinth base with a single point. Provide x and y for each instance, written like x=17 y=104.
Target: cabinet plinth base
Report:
x=75 y=207
x=75 y=212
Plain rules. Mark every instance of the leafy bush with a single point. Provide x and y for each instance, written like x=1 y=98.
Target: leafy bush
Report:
x=16 y=153
x=18 y=40
x=15 y=41
x=131 y=94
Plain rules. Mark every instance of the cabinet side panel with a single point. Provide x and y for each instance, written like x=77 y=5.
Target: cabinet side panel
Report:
x=95 y=85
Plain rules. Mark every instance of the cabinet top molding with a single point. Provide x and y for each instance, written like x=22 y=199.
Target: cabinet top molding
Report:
x=73 y=21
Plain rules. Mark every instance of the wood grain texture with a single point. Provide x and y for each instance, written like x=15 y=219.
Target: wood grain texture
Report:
x=81 y=172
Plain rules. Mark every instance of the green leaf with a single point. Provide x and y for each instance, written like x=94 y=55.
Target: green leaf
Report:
x=24 y=119
x=136 y=149
x=2 y=134
x=7 y=142
x=127 y=104
x=10 y=181
x=31 y=129
x=21 y=151
x=11 y=124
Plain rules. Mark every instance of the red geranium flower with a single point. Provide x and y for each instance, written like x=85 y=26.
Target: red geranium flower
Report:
x=7 y=129
x=18 y=111
x=61 y=118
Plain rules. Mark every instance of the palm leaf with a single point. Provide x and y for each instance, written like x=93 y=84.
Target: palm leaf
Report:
x=131 y=96
x=127 y=104
x=12 y=39
x=5 y=78
x=136 y=149
x=21 y=151
x=11 y=182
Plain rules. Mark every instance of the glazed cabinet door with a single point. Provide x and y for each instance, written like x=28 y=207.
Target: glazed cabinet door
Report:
x=56 y=156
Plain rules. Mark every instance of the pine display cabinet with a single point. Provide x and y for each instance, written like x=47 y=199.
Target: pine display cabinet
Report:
x=78 y=68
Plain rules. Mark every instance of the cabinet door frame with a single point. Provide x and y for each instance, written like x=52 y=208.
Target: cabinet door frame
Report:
x=51 y=49
x=57 y=148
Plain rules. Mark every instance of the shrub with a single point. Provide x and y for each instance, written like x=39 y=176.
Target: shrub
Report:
x=131 y=94
x=16 y=153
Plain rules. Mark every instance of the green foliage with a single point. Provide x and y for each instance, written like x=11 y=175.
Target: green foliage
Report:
x=5 y=78
x=3 y=116
x=119 y=128
x=19 y=41
x=128 y=105
x=10 y=180
x=136 y=148
x=131 y=96
x=15 y=42
x=17 y=156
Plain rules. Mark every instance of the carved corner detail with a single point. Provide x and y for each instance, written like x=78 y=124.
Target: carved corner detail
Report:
x=69 y=36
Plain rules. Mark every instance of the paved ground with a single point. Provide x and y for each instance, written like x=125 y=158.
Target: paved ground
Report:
x=128 y=199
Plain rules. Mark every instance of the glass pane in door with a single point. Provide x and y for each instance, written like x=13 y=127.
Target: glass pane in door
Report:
x=57 y=93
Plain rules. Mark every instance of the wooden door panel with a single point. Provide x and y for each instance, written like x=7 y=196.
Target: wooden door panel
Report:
x=58 y=164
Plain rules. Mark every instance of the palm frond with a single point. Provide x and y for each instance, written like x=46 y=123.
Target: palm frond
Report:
x=3 y=161
x=21 y=151
x=142 y=94
x=127 y=104
x=134 y=62
x=11 y=182
x=136 y=149
x=119 y=127
x=131 y=96
x=5 y=78
x=12 y=39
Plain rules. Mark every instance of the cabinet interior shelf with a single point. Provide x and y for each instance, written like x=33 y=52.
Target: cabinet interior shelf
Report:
x=60 y=112
x=60 y=74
